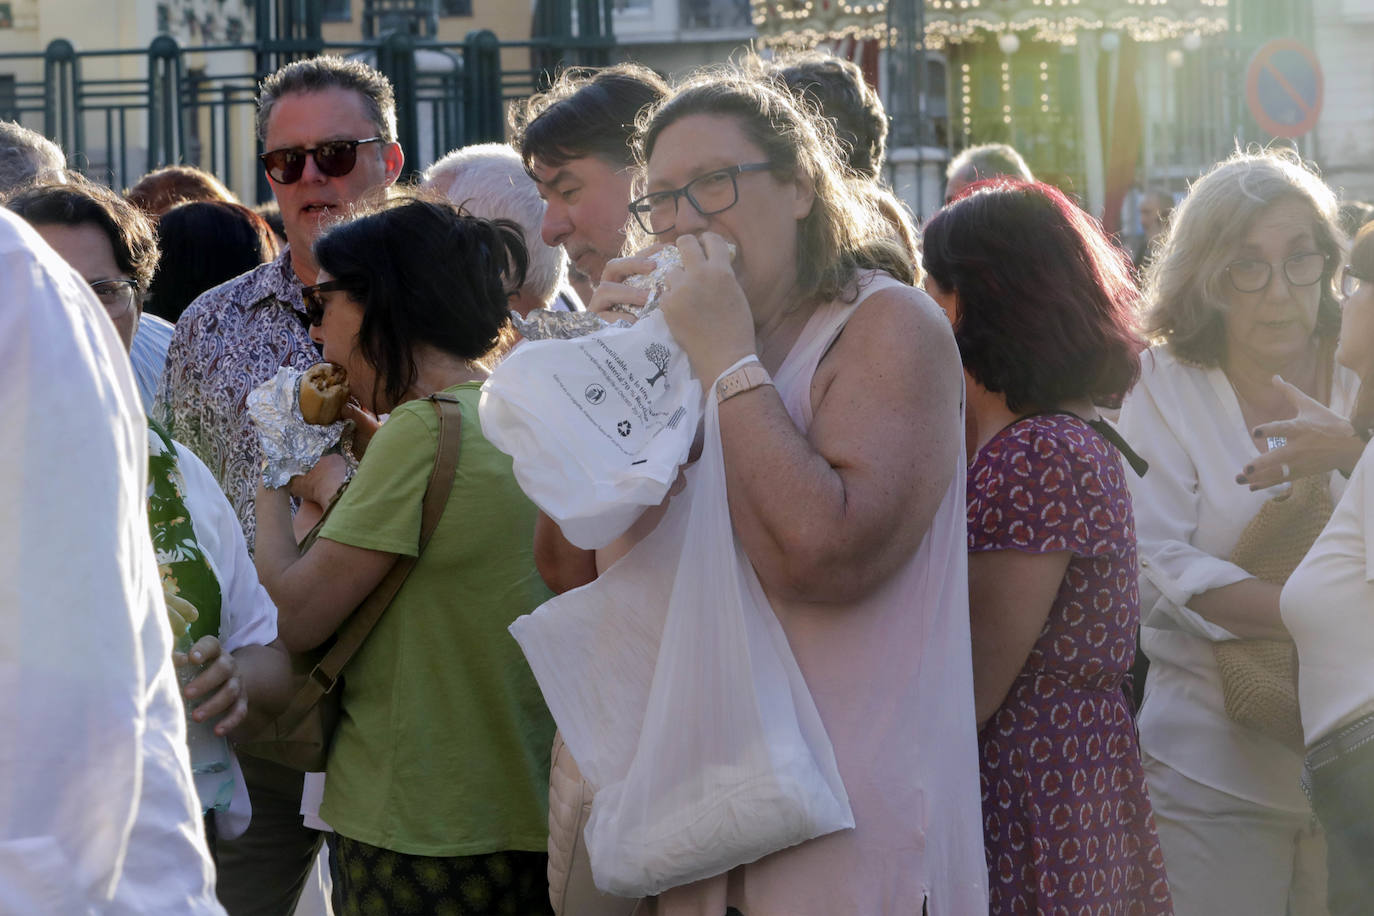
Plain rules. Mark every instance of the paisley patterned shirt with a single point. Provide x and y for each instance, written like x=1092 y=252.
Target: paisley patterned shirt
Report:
x=230 y=340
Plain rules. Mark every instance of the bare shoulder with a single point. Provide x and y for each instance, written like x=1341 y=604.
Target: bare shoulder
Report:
x=895 y=330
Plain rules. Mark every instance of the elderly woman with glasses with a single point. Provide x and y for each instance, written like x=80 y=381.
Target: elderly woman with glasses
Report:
x=1242 y=296
x=840 y=410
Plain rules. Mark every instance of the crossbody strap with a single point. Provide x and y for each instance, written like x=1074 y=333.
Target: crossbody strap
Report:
x=354 y=630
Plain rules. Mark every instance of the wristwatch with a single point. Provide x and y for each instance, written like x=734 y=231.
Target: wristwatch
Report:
x=746 y=378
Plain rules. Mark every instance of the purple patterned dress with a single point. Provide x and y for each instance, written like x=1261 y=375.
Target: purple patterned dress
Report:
x=1067 y=824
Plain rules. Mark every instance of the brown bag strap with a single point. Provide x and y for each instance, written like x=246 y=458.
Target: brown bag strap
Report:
x=355 y=629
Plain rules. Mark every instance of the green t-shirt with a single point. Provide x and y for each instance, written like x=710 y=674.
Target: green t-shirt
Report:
x=443 y=748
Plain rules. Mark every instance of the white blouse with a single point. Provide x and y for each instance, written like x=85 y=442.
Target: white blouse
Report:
x=247 y=615
x=1190 y=512
x=1328 y=606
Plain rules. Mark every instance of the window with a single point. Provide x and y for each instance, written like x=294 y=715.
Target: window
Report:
x=337 y=10
x=455 y=7
x=715 y=14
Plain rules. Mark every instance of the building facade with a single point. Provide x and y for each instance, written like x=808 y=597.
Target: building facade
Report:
x=1344 y=138
x=675 y=36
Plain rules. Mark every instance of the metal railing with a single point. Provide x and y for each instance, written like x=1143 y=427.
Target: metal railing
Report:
x=197 y=105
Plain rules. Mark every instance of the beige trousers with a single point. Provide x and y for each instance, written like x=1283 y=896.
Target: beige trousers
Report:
x=1226 y=856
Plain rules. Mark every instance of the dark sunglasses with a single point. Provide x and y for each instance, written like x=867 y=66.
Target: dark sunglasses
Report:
x=335 y=159
x=313 y=296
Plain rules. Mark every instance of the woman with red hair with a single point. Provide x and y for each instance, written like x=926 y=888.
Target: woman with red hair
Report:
x=1042 y=307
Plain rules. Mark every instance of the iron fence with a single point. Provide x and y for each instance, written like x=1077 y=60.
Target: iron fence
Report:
x=167 y=104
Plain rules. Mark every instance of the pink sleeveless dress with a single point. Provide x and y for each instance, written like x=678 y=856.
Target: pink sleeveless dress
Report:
x=892 y=677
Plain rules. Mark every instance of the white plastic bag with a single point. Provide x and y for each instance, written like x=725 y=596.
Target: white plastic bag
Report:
x=597 y=426
x=678 y=695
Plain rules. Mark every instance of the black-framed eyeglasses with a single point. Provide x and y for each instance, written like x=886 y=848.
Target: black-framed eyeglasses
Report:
x=710 y=194
x=1350 y=281
x=117 y=295
x=1250 y=275
x=335 y=158
x=313 y=296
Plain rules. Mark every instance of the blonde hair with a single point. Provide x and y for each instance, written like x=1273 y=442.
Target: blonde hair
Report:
x=846 y=230
x=1185 y=287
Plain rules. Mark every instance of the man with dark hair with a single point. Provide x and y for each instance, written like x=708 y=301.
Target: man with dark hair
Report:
x=575 y=142
x=328 y=126
x=979 y=163
x=836 y=88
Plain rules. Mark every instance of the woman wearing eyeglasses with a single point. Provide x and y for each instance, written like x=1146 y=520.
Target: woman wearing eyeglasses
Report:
x=840 y=412
x=437 y=781
x=1242 y=290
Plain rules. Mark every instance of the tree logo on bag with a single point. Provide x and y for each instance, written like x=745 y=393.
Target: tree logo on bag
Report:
x=659 y=356
x=595 y=394
x=623 y=427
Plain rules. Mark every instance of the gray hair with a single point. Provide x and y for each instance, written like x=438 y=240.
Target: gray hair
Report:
x=1185 y=293
x=989 y=160
x=489 y=180
x=317 y=74
x=26 y=155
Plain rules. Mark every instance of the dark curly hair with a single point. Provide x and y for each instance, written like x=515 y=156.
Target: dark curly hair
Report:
x=80 y=200
x=836 y=89
x=587 y=112
x=317 y=74
x=425 y=272
x=1046 y=304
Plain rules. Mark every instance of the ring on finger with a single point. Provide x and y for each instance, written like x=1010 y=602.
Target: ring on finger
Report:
x=1285 y=470
x=624 y=307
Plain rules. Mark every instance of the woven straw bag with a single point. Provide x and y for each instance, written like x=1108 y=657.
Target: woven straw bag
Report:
x=1259 y=677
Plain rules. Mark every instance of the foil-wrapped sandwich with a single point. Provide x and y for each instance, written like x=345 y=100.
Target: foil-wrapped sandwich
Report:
x=292 y=444
x=542 y=324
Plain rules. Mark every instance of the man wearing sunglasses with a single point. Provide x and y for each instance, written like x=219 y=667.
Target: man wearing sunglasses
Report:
x=328 y=128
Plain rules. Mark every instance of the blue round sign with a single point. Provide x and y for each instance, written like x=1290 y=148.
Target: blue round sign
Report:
x=1283 y=87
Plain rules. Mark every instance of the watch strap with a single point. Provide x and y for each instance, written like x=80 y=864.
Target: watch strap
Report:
x=744 y=378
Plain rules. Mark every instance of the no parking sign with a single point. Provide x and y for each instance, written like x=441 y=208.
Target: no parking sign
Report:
x=1283 y=87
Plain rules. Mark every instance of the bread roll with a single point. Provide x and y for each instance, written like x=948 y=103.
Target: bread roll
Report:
x=324 y=391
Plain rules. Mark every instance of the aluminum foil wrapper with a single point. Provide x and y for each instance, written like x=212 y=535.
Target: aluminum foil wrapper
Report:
x=547 y=324
x=542 y=324
x=290 y=445
x=665 y=259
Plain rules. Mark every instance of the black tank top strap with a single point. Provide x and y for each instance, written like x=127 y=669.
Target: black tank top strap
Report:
x=1103 y=429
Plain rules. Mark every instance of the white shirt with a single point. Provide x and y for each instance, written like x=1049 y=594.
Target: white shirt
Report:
x=1190 y=512
x=148 y=355
x=97 y=811
x=1328 y=606
x=247 y=615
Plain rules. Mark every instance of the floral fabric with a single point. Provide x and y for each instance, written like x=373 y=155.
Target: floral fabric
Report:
x=1067 y=823
x=174 y=539
x=229 y=341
